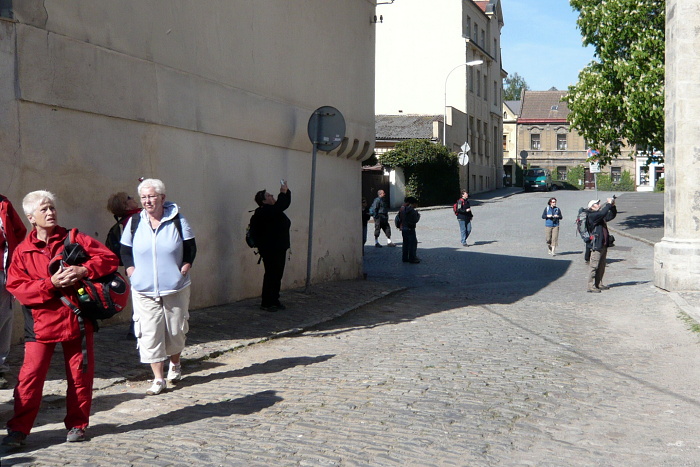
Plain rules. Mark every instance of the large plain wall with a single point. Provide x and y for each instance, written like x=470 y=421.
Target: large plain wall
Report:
x=212 y=97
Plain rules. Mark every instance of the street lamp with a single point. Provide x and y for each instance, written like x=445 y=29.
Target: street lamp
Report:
x=466 y=110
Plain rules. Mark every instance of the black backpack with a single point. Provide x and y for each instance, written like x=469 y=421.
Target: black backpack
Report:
x=582 y=225
x=113 y=241
x=251 y=233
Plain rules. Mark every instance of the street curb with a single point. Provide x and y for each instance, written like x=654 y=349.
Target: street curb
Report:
x=633 y=237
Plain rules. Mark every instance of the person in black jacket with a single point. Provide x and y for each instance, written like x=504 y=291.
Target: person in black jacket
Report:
x=409 y=217
x=597 y=224
x=270 y=226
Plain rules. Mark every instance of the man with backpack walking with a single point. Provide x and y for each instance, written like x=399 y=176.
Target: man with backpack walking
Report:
x=596 y=221
x=463 y=211
x=380 y=212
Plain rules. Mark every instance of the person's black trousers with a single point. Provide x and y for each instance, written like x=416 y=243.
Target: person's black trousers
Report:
x=274 y=262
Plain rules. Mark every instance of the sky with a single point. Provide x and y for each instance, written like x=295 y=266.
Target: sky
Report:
x=540 y=42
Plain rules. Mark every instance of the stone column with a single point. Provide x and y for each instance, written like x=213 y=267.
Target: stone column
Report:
x=677 y=256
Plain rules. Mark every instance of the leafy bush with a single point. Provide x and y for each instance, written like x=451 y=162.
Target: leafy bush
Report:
x=660 y=185
x=576 y=177
x=431 y=171
x=605 y=182
x=626 y=182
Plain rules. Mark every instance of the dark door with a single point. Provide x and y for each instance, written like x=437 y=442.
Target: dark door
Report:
x=589 y=180
x=373 y=181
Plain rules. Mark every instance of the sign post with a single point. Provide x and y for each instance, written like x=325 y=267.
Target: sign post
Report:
x=326 y=130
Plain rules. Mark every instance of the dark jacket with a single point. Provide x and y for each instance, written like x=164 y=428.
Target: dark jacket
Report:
x=597 y=225
x=462 y=213
x=271 y=225
x=409 y=217
x=380 y=207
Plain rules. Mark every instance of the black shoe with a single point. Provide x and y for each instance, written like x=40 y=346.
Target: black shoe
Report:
x=414 y=261
x=14 y=439
x=271 y=308
x=280 y=306
x=377 y=245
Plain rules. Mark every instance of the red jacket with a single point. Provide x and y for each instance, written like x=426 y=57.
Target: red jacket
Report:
x=29 y=280
x=13 y=230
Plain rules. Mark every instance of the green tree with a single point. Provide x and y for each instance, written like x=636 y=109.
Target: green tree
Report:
x=431 y=170
x=619 y=97
x=513 y=86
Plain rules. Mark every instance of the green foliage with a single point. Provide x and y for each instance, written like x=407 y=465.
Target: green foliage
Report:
x=576 y=177
x=513 y=86
x=431 y=171
x=619 y=97
x=660 y=185
x=604 y=182
x=626 y=182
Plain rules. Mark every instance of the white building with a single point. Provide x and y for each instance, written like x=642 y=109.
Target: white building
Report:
x=422 y=52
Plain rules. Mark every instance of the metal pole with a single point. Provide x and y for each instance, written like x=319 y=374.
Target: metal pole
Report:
x=311 y=203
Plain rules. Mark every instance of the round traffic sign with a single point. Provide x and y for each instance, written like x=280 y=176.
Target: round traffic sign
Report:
x=326 y=128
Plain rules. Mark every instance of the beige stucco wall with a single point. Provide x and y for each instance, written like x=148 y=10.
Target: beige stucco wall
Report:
x=214 y=98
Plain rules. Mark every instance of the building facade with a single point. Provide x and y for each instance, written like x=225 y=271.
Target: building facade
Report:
x=453 y=34
x=511 y=112
x=545 y=139
x=212 y=98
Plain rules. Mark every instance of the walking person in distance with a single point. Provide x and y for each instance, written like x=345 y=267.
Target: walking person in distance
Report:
x=551 y=215
x=464 y=216
x=380 y=212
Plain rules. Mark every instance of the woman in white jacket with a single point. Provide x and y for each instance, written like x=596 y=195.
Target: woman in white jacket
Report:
x=158 y=252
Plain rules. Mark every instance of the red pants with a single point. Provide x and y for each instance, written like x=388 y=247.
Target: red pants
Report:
x=28 y=392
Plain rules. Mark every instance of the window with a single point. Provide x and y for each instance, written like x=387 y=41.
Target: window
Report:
x=534 y=141
x=561 y=173
x=505 y=142
x=468 y=32
x=561 y=142
x=6 y=9
x=495 y=93
x=615 y=174
x=483 y=39
x=486 y=87
x=478 y=83
x=471 y=78
x=476 y=30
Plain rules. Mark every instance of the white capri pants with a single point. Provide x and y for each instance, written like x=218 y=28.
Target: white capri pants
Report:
x=161 y=324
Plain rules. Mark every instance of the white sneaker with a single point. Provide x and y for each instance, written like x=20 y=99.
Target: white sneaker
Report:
x=159 y=386
x=174 y=373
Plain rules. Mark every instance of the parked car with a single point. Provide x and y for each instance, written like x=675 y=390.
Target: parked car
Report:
x=537 y=179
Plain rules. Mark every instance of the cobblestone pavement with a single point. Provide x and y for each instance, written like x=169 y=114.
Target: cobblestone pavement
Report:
x=486 y=355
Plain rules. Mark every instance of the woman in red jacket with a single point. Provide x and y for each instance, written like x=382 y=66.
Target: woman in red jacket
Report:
x=49 y=321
